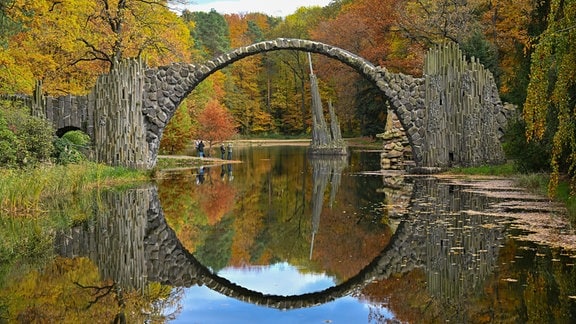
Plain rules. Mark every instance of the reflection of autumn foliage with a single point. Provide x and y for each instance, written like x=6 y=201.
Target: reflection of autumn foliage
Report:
x=71 y=291
x=354 y=248
x=249 y=218
x=405 y=295
x=217 y=198
x=189 y=208
x=180 y=206
x=249 y=223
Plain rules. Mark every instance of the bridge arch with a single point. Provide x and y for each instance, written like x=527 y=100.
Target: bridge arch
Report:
x=166 y=87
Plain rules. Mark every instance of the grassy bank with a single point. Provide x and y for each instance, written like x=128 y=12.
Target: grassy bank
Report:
x=36 y=203
x=22 y=191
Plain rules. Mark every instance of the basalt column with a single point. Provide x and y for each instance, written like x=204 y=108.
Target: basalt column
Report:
x=463 y=110
x=120 y=133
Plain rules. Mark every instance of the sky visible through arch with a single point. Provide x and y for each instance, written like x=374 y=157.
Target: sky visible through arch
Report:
x=271 y=8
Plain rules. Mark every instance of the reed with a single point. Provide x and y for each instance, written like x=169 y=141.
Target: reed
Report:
x=23 y=191
x=534 y=182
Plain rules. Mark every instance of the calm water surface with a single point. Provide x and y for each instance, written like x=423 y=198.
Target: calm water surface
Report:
x=300 y=226
x=281 y=238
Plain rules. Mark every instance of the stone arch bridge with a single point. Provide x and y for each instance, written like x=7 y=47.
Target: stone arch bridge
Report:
x=452 y=115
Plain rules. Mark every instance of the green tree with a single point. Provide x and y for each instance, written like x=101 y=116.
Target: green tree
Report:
x=178 y=133
x=479 y=47
x=211 y=35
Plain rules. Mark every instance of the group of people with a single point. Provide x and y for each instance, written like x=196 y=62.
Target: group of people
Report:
x=223 y=151
x=200 y=148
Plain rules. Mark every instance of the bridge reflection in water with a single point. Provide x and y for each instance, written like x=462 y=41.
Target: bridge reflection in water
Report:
x=131 y=243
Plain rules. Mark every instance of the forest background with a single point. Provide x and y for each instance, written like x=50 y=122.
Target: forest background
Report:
x=529 y=45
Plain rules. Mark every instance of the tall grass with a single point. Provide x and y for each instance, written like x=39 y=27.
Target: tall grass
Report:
x=36 y=203
x=534 y=182
x=22 y=191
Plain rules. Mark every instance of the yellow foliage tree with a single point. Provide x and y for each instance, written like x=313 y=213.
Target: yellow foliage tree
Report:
x=67 y=44
x=550 y=102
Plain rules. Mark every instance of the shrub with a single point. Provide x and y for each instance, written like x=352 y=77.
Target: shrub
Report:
x=71 y=146
x=24 y=140
x=528 y=157
x=9 y=146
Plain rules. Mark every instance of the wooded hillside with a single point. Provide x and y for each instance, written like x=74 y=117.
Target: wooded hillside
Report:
x=527 y=44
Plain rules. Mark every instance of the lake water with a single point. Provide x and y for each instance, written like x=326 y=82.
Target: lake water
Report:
x=283 y=238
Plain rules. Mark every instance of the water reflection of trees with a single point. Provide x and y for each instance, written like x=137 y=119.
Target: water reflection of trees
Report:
x=456 y=252
x=113 y=239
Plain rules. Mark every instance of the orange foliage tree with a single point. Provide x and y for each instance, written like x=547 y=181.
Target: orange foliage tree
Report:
x=215 y=123
x=370 y=29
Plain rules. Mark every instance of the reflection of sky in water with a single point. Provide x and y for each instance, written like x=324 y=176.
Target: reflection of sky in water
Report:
x=202 y=305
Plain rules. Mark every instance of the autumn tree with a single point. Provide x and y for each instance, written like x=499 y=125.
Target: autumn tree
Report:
x=435 y=21
x=550 y=103
x=67 y=44
x=512 y=28
x=178 y=133
x=215 y=123
x=132 y=28
x=370 y=29
x=289 y=93
x=249 y=83
x=8 y=26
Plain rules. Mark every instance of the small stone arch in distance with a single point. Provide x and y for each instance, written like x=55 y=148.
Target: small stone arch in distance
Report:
x=63 y=130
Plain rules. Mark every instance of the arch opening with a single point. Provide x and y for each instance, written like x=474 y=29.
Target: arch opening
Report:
x=166 y=87
x=63 y=130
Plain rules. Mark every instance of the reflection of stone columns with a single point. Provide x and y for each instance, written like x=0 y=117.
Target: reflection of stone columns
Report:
x=114 y=238
x=126 y=226
x=397 y=193
x=323 y=169
x=461 y=249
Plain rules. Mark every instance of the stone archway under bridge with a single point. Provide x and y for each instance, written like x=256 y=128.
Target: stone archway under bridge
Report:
x=451 y=115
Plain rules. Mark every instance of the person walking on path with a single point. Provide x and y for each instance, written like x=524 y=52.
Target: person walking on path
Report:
x=201 y=149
